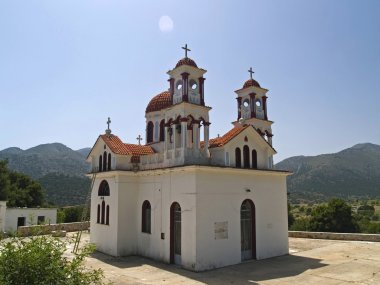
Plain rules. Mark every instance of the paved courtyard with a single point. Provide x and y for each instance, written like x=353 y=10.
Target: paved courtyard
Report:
x=311 y=261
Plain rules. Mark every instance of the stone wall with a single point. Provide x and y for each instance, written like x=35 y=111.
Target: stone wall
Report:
x=47 y=229
x=335 y=236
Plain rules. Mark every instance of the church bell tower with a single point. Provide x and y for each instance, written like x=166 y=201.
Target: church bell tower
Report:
x=187 y=81
x=187 y=120
x=252 y=107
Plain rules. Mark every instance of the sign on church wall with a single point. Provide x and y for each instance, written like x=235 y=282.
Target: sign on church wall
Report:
x=221 y=230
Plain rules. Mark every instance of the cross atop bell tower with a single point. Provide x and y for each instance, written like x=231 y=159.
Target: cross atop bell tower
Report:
x=186 y=50
x=250 y=72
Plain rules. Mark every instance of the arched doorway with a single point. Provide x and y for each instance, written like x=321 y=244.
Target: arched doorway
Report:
x=175 y=233
x=248 y=230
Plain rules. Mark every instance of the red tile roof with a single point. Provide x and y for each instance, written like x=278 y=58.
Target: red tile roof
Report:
x=136 y=149
x=159 y=102
x=118 y=147
x=251 y=82
x=186 y=61
x=221 y=141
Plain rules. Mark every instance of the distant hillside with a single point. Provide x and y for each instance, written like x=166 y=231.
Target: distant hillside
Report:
x=353 y=172
x=84 y=151
x=46 y=158
x=350 y=173
x=64 y=190
x=59 y=169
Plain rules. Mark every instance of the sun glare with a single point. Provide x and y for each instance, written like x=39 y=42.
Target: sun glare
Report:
x=165 y=24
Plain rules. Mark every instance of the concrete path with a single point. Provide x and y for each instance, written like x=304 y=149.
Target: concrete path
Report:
x=321 y=262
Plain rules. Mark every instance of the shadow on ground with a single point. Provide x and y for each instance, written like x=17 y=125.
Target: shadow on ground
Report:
x=245 y=273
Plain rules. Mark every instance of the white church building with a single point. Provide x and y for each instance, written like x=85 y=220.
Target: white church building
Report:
x=185 y=198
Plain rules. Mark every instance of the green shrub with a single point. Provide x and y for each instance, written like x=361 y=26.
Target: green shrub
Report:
x=40 y=260
x=301 y=224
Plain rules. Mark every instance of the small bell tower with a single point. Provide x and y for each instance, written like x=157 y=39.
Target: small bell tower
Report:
x=187 y=120
x=187 y=81
x=252 y=107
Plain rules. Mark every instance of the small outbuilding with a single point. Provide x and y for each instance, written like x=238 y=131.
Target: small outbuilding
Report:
x=12 y=218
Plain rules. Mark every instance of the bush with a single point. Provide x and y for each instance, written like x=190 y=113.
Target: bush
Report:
x=336 y=216
x=301 y=224
x=40 y=260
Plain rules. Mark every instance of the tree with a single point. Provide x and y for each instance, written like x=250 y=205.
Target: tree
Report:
x=290 y=216
x=336 y=216
x=301 y=224
x=4 y=180
x=40 y=260
x=19 y=189
x=74 y=214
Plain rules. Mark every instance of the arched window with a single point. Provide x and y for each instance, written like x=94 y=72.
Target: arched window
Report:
x=246 y=156
x=162 y=130
x=238 y=157
x=109 y=161
x=104 y=161
x=103 y=212
x=108 y=215
x=100 y=162
x=254 y=159
x=149 y=132
x=104 y=189
x=98 y=214
x=146 y=217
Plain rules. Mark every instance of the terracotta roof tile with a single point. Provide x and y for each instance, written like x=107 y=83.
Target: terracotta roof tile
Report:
x=118 y=147
x=186 y=61
x=251 y=82
x=136 y=149
x=115 y=144
x=220 y=141
x=159 y=102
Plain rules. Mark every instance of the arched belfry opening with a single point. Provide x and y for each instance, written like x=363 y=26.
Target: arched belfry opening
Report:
x=149 y=132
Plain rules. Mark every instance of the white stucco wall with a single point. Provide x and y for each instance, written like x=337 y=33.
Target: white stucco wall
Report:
x=31 y=216
x=219 y=198
x=104 y=236
x=3 y=207
x=206 y=195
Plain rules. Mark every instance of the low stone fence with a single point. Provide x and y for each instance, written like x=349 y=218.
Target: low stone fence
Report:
x=335 y=236
x=47 y=229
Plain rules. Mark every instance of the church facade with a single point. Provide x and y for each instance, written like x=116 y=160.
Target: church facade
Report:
x=185 y=198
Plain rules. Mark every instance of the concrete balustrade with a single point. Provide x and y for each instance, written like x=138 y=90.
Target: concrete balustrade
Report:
x=335 y=236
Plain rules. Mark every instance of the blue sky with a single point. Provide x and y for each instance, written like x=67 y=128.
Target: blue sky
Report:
x=65 y=66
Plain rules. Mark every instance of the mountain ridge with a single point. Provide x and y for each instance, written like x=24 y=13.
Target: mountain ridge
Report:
x=349 y=173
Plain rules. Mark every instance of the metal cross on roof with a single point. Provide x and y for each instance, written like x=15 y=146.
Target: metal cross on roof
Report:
x=139 y=138
x=186 y=50
x=108 y=123
x=251 y=72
